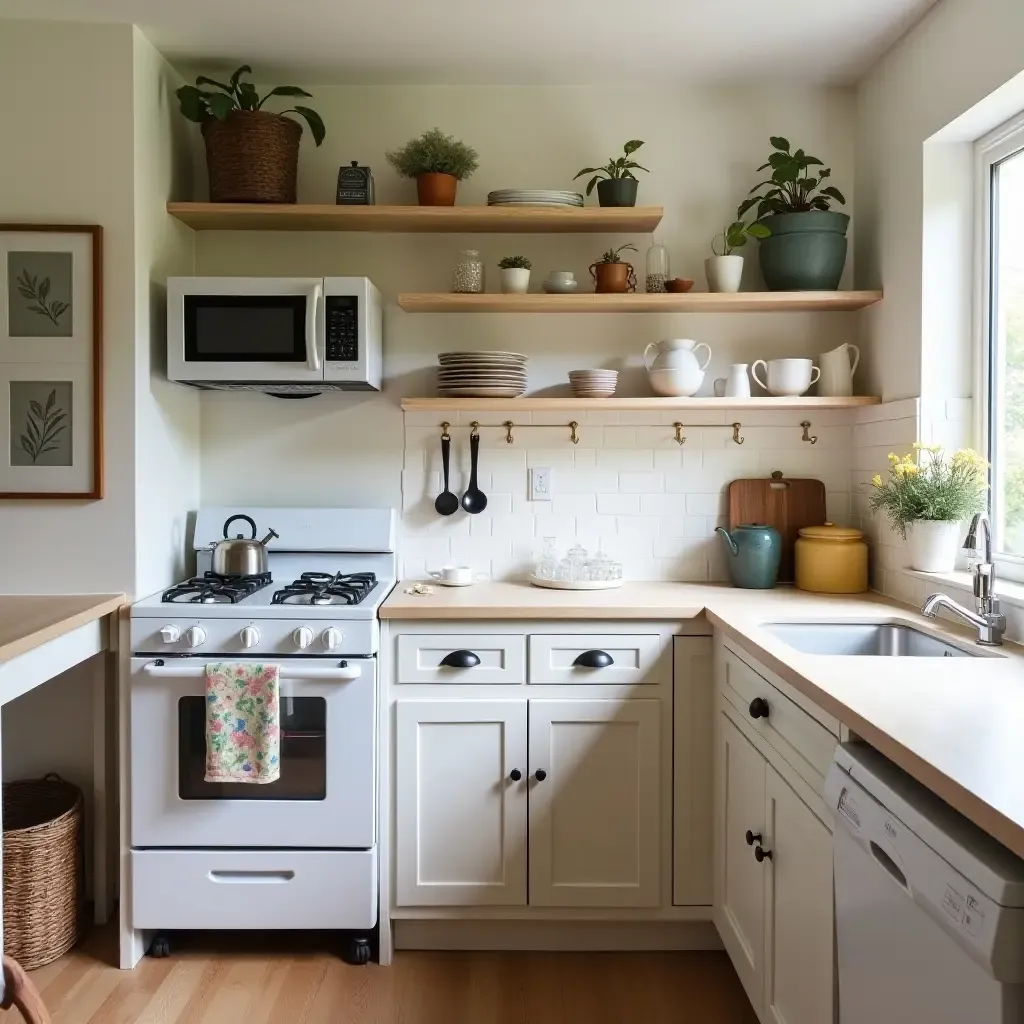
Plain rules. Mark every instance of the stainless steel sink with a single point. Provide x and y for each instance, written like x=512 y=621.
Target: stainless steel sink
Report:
x=866 y=639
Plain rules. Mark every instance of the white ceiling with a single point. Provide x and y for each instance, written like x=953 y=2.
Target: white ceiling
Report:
x=517 y=41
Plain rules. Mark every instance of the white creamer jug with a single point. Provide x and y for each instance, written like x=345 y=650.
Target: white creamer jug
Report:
x=837 y=370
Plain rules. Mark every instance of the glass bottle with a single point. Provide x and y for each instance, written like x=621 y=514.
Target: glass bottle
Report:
x=469 y=272
x=547 y=564
x=657 y=268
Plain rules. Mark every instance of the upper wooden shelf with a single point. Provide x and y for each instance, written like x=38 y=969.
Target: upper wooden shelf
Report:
x=497 y=219
x=640 y=302
x=569 y=403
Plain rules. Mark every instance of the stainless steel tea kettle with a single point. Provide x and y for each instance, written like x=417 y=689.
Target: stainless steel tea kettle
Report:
x=238 y=556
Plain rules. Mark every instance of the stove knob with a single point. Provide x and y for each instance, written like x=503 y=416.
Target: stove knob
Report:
x=195 y=636
x=332 y=638
x=170 y=634
x=303 y=637
x=250 y=636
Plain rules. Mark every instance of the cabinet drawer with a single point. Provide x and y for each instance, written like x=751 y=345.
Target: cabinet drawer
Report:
x=254 y=888
x=785 y=719
x=594 y=658
x=462 y=658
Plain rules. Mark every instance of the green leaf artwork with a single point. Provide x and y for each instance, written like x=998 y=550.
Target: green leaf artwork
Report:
x=43 y=425
x=37 y=293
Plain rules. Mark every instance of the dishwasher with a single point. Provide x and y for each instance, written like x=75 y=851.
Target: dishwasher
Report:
x=929 y=909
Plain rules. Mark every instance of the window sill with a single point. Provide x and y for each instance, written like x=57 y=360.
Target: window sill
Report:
x=1008 y=592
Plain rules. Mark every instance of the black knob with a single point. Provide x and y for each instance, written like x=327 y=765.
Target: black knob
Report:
x=515 y=775
x=759 y=708
x=761 y=854
x=540 y=775
x=594 y=659
x=461 y=659
x=753 y=837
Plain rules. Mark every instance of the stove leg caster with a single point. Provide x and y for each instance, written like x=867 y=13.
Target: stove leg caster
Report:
x=355 y=949
x=160 y=946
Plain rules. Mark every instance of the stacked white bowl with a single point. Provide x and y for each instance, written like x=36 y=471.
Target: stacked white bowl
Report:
x=593 y=383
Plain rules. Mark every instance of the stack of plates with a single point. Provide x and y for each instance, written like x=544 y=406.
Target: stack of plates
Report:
x=481 y=375
x=593 y=383
x=533 y=197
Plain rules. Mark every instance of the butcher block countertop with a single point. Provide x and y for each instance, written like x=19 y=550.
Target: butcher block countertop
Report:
x=955 y=724
x=29 y=621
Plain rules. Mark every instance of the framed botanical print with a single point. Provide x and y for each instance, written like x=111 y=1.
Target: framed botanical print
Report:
x=51 y=380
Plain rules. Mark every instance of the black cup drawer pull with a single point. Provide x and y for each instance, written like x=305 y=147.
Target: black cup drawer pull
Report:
x=594 y=659
x=461 y=659
x=759 y=708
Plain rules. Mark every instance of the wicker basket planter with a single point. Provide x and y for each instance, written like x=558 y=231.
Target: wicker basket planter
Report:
x=252 y=156
x=42 y=867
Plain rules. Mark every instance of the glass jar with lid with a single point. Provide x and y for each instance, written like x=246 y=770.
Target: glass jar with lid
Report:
x=469 y=272
x=657 y=268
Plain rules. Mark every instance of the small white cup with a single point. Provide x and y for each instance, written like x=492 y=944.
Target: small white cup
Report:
x=453 y=575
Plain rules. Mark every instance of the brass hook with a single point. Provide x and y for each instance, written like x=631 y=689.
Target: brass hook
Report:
x=474 y=428
x=806 y=424
x=509 y=439
x=445 y=436
x=574 y=436
x=736 y=433
x=680 y=439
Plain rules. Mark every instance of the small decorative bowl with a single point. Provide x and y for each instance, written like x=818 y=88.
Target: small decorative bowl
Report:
x=679 y=284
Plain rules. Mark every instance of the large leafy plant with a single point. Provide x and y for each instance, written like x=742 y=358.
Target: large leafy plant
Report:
x=202 y=105
x=622 y=167
x=434 y=153
x=794 y=186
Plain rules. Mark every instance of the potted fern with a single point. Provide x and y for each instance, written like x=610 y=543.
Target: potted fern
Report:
x=515 y=274
x=252 y=154
x=438 y=162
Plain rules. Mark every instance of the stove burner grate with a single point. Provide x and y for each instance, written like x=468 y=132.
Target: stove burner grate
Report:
x=321 y=588
x=213 y=588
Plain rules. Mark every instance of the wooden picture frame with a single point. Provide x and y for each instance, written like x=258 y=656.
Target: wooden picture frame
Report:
x=51 y=362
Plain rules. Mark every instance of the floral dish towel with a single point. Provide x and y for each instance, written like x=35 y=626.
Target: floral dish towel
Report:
x=243 y=734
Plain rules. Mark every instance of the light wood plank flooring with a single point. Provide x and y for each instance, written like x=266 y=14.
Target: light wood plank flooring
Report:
x=274 y=980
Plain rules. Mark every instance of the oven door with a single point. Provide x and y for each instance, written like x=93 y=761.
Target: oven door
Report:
x=325 y=796
x=245 y=329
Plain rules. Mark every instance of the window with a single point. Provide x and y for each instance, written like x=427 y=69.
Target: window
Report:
x=1001 y=333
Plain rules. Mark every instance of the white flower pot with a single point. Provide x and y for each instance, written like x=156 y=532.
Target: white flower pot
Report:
x=933 y=544
x=515 y=280
x=724 y=273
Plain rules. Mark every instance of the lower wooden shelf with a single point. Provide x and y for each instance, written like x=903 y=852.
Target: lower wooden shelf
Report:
x=527 y=404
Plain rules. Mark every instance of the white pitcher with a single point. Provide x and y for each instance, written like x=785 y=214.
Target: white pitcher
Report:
x=837 y=371
x=673 y=368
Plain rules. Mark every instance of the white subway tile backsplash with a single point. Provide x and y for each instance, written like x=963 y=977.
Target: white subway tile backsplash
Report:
x=618 y=437
x=641 y=483
x=625 y=458
x=618 y=504
x=705 y=504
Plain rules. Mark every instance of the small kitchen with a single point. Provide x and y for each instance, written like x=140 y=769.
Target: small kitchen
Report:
x=562 y=565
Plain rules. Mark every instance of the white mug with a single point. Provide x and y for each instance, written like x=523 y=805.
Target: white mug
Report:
x=737 y=384
x=787 y=378
x=837 y=371
x=453 y=575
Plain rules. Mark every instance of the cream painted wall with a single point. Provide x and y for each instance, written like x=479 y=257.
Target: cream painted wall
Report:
x=702 y=146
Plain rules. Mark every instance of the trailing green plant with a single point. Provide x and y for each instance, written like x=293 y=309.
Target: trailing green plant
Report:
x=514 y=263
x=931 y=487
x=622 y=167
x=735 y=237
x=202 y=106
x=793 y=186
x=612 y=255
x=42 y=427
x=434 y=153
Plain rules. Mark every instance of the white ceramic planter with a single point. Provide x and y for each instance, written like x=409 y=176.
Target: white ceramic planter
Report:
x=933 y=545
x=515 y=280
x=724 y=273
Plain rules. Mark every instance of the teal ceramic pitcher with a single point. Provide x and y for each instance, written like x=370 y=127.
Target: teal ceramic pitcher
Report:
x=754 y=552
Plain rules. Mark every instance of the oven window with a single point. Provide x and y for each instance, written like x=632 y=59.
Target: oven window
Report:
x=245 y=328
x=303 y=754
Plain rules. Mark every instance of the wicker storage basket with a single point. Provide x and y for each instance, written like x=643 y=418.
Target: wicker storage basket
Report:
x=42 y=863
x=252 y=156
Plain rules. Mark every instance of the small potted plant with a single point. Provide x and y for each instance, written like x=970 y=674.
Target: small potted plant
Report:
x=724 y=269
x=927 y=499
x=438 y=162
x=515 y=274
x=613 y=275
x=619 y=185
x=807 y=248
x=252 y=154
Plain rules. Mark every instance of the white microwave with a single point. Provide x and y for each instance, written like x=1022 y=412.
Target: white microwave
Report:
x=286 y=336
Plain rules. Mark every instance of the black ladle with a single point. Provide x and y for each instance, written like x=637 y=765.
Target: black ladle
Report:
x=446 y=503
x=474 y=500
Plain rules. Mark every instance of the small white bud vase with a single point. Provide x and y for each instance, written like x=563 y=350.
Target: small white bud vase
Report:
x=932 y=544
x=515 y=280
x=724 y=273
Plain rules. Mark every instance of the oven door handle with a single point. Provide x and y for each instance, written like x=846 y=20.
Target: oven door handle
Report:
x=159 y=670
x=312 y=308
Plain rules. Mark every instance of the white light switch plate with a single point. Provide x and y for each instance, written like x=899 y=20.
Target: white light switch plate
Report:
x=540 y=483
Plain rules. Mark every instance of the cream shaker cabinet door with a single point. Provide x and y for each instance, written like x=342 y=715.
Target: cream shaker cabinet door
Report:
x=799 y=985
x=460 y=802
x=739 y=878
x=595 y=774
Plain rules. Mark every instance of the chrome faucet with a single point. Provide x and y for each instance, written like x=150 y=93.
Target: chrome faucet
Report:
x=990 y=622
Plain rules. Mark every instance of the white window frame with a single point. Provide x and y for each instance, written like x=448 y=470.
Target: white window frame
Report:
x=989 y=150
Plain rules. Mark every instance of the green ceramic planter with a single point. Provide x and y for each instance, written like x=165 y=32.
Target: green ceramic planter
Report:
x=617 y=192
x=805 y=251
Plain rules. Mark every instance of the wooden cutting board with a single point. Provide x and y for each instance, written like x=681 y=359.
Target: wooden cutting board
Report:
x=787 y=504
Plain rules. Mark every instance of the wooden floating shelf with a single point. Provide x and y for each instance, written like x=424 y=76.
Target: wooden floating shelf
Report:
x=569 y=403
x=496 y=219
x=641 y=302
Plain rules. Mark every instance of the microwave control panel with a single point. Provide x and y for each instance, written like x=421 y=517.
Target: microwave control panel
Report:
x=342 y=313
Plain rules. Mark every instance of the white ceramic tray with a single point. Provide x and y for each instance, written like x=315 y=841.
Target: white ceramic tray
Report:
x=539 y=581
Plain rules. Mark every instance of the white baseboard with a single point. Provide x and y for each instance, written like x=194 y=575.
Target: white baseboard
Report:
x=564 y=936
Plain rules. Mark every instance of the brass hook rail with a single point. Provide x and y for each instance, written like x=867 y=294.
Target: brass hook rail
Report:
x=509 y=426
x=734 y=427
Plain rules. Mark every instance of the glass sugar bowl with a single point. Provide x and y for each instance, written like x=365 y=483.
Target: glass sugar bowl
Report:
x=657 y=268
x=469 y=272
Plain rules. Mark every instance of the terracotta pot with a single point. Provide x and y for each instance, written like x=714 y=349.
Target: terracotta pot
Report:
x=614 y=278
x=436 y=189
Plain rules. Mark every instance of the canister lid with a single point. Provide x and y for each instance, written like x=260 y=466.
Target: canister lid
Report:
x=829 y=531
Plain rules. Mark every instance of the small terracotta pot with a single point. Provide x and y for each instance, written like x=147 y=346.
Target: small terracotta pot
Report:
x=614 y=278
x=436 y=189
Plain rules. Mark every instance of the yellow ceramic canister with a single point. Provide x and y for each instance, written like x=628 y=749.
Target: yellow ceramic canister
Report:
x=831 y=559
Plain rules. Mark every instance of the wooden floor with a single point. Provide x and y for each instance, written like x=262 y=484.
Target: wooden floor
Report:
x=225 y=980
